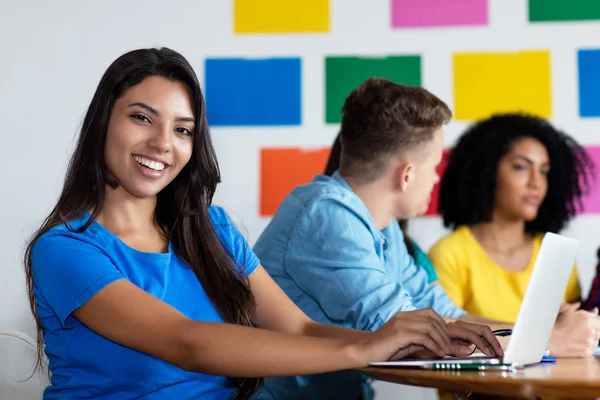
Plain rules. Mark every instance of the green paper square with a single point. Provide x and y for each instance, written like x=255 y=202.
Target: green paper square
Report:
x=344 y=74
x=563 y=10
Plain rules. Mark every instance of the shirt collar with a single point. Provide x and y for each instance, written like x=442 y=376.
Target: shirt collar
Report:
x=379 y=234
x=341 y=181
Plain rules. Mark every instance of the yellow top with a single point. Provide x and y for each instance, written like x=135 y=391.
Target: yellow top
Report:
x=479 y=285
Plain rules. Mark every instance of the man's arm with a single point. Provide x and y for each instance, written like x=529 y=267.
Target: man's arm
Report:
x=331 y=256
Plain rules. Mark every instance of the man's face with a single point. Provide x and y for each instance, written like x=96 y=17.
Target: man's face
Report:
x=425 y=161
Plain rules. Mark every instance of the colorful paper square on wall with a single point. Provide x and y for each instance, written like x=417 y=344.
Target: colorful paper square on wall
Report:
x=589 y=83
x=432 y=13
x=488 y=83
x=280 y=16
x=282 y=169
x=263 y=92
x=435 y=194
x=563 y=10
x=591 y=202
x=343 y=74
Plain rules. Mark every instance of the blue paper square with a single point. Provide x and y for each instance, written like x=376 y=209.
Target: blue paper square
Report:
x=251 y=92
x=589 y=83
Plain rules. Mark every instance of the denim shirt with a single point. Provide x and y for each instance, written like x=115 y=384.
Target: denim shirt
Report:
x=323 y=249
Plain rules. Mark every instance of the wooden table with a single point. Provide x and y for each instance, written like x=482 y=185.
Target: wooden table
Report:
x=568 y=379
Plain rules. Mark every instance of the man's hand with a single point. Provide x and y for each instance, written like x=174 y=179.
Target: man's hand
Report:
x=465 y=336
x=575 y=334
x=481 y=336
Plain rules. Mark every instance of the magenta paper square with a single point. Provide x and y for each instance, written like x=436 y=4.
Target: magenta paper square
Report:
x=432 y=13
x=591 y=202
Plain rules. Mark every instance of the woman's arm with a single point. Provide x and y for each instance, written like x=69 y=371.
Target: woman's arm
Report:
x=125 y=314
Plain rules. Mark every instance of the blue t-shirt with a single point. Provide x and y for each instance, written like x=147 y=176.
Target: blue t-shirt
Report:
x=69 y=268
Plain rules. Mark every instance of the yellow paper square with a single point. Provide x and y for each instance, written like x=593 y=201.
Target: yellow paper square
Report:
x=281 y=16
x=488 y=83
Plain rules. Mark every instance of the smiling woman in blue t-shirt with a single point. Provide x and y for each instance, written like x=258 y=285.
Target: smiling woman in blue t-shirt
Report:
x=142 y=289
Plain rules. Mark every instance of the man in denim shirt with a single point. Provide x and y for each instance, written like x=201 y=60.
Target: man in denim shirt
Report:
x=334 y=246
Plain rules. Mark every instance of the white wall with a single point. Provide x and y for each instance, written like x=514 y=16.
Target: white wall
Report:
x=53 y=54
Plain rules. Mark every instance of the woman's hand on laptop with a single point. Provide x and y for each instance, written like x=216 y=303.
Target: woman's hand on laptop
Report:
x=575 y=334
x=569 y=307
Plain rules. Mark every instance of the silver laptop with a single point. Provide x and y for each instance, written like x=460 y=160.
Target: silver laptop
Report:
x=537 y=315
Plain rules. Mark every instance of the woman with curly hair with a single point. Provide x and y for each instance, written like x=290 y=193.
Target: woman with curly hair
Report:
x=510 y=179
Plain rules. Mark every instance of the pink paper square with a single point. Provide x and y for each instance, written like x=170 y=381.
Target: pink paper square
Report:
x=591 y=202
x=430 y=13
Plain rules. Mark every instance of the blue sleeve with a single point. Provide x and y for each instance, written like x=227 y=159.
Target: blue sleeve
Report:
x=423 y=294
x=331 y=256
x=232 y=240
x=68 y=271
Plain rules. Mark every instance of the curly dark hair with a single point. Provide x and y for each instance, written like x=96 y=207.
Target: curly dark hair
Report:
x=467 y=189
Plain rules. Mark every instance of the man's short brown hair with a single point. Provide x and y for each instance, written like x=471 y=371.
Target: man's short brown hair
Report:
x=381 y=118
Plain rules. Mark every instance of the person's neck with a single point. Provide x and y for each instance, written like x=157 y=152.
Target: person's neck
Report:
x=500 y=235
x=123 y=213
x=373 y=196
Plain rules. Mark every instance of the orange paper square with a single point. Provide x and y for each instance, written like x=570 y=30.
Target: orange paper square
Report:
x=282 y=169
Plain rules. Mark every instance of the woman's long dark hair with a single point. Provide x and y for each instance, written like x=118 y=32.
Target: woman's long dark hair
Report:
x=182 y=207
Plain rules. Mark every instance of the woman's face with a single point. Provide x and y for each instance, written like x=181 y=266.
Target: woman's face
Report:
x=150 y=136
x=522 y=180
